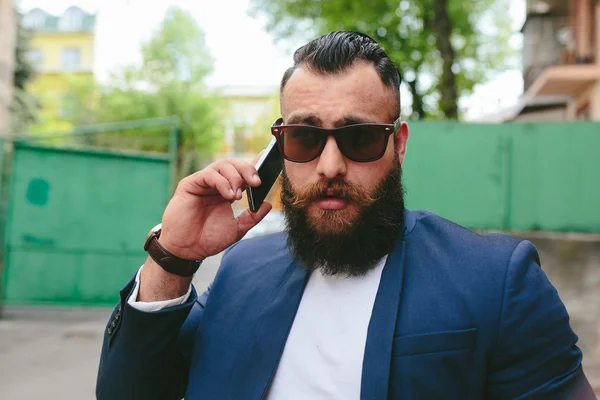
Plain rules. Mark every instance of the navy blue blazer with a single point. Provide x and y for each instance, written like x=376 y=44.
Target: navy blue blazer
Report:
x=457 y=315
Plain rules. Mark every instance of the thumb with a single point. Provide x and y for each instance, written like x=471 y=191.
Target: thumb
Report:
x=248 y=220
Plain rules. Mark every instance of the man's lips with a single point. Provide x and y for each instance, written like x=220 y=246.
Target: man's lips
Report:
x=331 y=201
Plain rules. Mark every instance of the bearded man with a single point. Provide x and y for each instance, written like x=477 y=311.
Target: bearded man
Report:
x=358 y=298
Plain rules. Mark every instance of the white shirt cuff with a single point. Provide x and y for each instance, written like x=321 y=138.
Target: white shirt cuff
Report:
x=153 y=305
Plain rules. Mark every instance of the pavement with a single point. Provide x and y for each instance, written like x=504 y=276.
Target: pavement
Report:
x=50 y=354
x=53 y=354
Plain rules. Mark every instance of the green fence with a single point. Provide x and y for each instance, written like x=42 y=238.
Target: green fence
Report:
x=76 y=219
x=507 y=177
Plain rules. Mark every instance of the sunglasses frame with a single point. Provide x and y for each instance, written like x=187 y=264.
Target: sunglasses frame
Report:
x=277 y=128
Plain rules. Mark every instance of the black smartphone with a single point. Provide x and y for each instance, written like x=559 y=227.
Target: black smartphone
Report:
x=268 y=167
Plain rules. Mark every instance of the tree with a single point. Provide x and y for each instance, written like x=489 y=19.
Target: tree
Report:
x=169 y=82
x=24 y=106
x=442 y=48
x=442 y=30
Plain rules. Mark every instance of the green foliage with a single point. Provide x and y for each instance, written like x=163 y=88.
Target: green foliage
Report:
x=177 y=52
x=169 y=82
x=480 y=37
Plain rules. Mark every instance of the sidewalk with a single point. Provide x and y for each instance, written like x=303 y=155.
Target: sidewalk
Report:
x=53 y=354
x=50 y=354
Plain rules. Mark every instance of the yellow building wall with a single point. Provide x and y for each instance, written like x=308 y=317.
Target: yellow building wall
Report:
x=51 y=45
x=50 y=85
x=254 y=116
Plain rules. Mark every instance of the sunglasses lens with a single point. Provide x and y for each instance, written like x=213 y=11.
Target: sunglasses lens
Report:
x=301 y=143
x=362 y=143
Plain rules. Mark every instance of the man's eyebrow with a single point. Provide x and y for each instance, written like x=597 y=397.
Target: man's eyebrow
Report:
x=352 y=120
x=304 y=119
x=307 y=119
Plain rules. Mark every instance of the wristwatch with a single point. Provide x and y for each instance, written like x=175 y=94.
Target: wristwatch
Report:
x=166 y=260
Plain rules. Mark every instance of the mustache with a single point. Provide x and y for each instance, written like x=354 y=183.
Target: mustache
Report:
x=303 y=196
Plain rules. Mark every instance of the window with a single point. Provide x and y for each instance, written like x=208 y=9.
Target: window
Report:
x=71 y=58
x=35 y=20
x=72 y=20
x=36 y=57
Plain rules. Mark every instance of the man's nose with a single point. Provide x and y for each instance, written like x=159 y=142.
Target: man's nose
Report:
x=331 y=163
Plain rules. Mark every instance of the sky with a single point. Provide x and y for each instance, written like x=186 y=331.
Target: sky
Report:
x=244 y=53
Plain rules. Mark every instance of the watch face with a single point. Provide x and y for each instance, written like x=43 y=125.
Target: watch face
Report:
x=156 y=228
x=153 y=232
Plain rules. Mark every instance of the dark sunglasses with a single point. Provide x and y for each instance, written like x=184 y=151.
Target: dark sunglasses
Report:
x=359 y=143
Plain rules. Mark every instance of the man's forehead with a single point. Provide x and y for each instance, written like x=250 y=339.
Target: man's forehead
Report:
x=355 y=94
x=359 y=76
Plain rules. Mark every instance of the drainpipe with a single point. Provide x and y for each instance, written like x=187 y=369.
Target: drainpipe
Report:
x=583 y=29
x=597 y=31
x=7 y=54
x=7 y=59
x=595 y=95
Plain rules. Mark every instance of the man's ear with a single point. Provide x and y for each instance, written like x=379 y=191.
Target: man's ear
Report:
x=400 y=140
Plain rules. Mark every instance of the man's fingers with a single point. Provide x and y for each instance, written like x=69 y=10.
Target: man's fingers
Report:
x=248 y=172
x=207 y=182
x=230 y=178
x=230 y=172
x=248 y=220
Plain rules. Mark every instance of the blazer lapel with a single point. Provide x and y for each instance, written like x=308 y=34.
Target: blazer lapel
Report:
x=380 y=334
x=276 y=318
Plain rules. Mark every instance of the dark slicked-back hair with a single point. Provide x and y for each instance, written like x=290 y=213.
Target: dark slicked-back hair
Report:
x=335 y=52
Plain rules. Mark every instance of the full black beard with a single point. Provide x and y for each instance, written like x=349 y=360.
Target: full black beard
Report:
x=356 y=250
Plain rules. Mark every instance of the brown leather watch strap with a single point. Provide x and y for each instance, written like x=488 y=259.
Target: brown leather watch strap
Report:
x=168 y=261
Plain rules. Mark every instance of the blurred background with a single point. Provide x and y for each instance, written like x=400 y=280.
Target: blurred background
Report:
x=105 y=105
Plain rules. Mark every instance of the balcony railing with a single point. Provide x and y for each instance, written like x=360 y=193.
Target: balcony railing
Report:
x=534 y=70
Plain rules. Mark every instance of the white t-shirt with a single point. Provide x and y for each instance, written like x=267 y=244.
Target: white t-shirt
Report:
x=323 y=355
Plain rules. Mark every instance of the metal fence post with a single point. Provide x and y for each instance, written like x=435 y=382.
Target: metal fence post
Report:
x=507 y=159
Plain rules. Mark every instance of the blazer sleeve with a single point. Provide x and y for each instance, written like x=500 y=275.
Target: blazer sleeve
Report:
x=146 y=355
x=536 y=356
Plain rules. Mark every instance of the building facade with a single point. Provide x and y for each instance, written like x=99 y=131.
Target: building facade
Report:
x=250 y=112
x=61 y=47
x=561 y=61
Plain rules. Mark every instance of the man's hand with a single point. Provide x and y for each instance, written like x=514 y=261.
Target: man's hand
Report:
x=199 y=222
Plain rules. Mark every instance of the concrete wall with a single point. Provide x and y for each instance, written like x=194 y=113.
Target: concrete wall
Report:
x=551 y=114
x=572 y=263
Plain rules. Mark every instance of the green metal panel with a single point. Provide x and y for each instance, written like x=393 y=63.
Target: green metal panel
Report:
x=458 y=171
x=76 y=218
x=76 y=222
x=510 y=177
x=556 y=177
